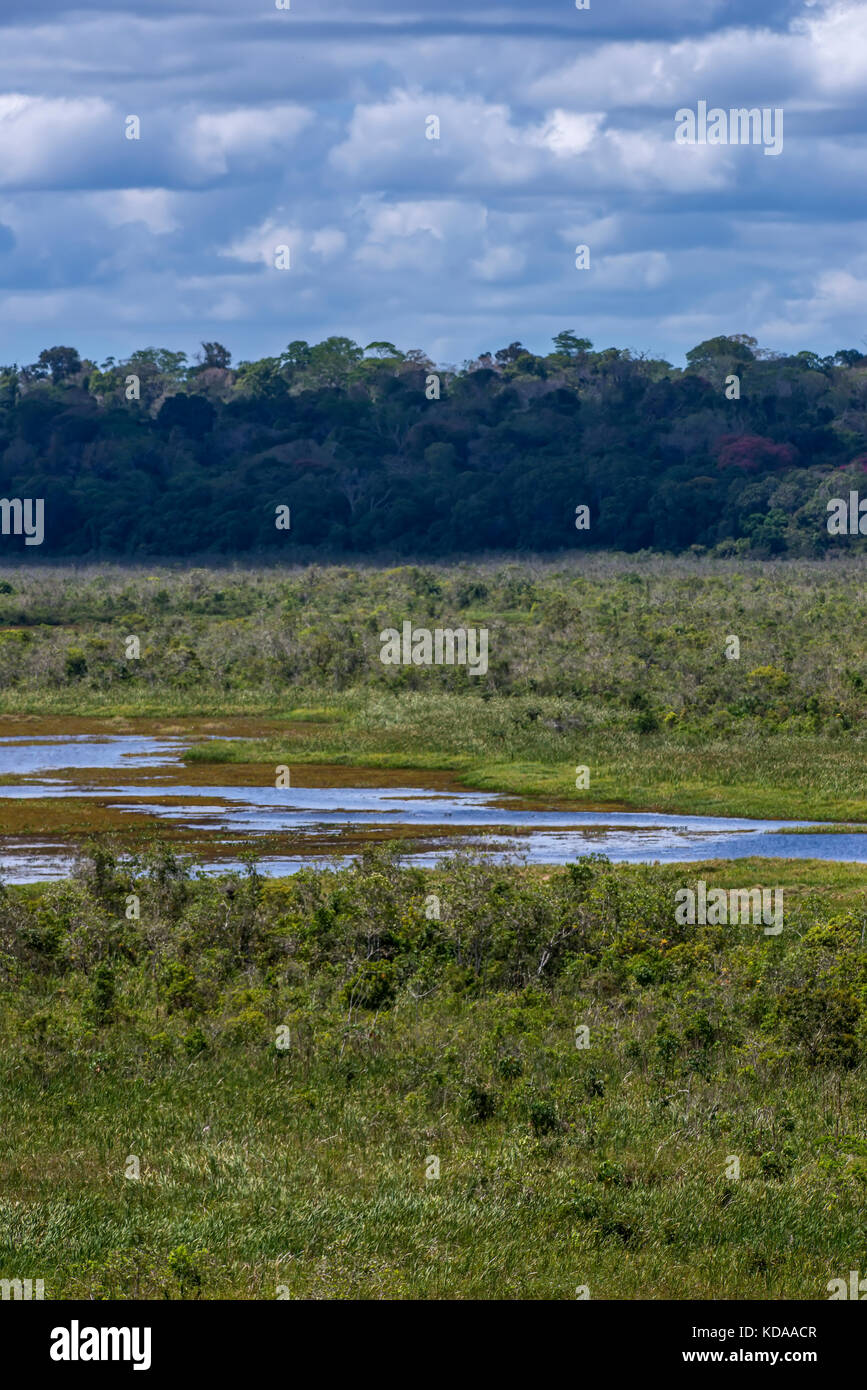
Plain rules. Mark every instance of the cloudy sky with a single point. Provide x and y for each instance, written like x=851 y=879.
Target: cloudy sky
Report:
x=306 y=127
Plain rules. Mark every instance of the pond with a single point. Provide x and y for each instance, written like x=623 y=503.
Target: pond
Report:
x=65 y=786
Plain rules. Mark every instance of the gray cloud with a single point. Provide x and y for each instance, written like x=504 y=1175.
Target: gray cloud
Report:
x=308 y=126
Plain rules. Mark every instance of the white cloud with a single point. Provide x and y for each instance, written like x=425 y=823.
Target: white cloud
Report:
x=418 y=235
x=43 y=139
x=249 y=134
x=481 y=147
x=37 y=307
x=328 y=242
x=261 y=243
x=821 y=58
x=839 y=291
x=637 y=159
x=499 y=263
x=229 y=306
x=633 y=270
x=478 y=141
x=569 y=132
x=720 y=67
x=837 y=42
x=151 y=206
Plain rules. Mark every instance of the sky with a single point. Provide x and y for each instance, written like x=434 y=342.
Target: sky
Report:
x=308 y=128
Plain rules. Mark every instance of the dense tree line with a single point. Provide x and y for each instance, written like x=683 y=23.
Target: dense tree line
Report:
x=375 y=449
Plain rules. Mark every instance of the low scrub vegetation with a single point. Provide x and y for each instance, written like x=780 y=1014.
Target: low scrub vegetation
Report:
x=376 y=1081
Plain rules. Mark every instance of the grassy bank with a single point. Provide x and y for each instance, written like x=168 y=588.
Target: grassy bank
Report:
x=510 y=746
x=622 y=665
x=411 y=1037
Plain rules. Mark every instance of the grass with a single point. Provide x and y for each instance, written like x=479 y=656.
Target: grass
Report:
x=304 y=1169
x=492 y=746
x=614 y=663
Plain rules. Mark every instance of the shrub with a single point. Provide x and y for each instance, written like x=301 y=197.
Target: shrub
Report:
x=195 y=1042
x=179 y=986
x=100 y=1006
x=76 y=664
x=371 y=986
x=543 y=1117
x=824 y=1023
x=479 y=1105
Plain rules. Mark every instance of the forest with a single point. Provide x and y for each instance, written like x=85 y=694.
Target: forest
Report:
x=335 y=449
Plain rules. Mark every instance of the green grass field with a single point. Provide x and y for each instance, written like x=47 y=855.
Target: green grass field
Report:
x=614 y=663
x=409 y=1039
x=504 y=745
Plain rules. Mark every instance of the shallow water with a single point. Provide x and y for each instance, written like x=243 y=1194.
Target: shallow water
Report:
x=23 y=755
x=303 y=824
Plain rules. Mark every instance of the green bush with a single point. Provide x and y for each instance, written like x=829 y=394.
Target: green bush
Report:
x=179 y=986
x=371 y=986
x=99 y=1006
x=824 y=1022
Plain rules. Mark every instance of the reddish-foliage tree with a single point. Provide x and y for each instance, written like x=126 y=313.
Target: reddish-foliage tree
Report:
x=752 y=453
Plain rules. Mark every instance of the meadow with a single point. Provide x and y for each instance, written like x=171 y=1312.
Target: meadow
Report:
x=320 y=1088
x=615 y=663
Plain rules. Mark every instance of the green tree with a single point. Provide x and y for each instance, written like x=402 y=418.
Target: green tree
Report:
x=215 y=355
x=297 y=355
x=716 y=351
x=567 y=345
x=331 y=361
x=260 y=379
x=511 y=353
x=383 y=349
x=61 y=362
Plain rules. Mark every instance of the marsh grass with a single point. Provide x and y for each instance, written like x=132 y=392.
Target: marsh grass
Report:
x=412 y=1038
x=617 y=663
x=494 y=746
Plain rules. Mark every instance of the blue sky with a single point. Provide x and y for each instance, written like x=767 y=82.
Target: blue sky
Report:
x=306 y=128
